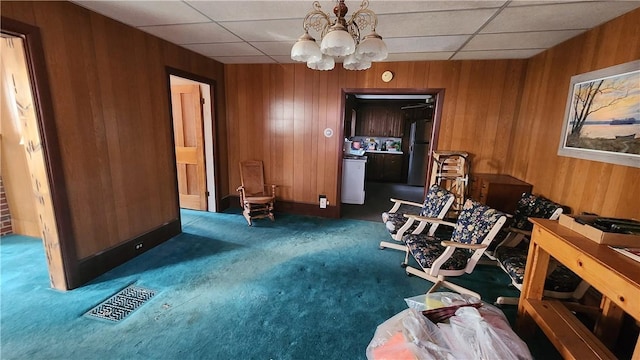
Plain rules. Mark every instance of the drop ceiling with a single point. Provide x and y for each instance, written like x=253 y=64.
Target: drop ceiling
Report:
x=235 y=32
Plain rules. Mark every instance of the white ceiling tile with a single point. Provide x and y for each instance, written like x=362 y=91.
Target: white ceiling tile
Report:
x=262 y=10
x=422 y=56
x=275 y=48
x=192 y=33
x=558 y=17
x=244 y=59
x=496 y=54
x=526 y=40
x=267 y=30
x=143 y=13
x=544 y=2
x=256 y=10
x=224 y=49
x=396 y=7
x=438 y=23
x=425 y=44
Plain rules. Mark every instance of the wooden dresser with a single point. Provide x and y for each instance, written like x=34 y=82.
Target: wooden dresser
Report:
x=499 y=191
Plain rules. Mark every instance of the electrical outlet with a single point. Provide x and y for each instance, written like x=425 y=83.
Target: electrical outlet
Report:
x=323 y=201
x=138 y=246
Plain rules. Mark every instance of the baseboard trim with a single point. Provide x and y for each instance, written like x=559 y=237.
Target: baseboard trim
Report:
x=290 y=207
x=225 y=203
x=91 y=267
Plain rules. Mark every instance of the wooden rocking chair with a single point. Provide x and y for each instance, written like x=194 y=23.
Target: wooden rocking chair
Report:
x=256 y=197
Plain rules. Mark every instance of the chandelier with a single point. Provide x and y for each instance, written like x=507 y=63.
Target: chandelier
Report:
x=341 y=39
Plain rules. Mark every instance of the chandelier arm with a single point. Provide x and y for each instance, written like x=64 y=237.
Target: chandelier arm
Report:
x=317 y=20
x=364 y=18
x=354 y=31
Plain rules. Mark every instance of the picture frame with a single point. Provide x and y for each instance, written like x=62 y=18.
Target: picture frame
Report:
x=602 y=116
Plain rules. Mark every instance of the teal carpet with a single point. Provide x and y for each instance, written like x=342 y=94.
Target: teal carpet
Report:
x=297 y=288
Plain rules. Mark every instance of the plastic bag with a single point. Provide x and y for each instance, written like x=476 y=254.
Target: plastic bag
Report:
x=479 y=336
x=408 y=335
x=471 y=333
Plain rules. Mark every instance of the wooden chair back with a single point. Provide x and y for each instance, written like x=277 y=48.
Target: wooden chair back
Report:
x=252 y=177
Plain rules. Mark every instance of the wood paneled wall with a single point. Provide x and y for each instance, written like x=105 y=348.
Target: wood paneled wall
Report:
x=277 y=113
x=506 y=113
x=109 y=88
x=605 y=189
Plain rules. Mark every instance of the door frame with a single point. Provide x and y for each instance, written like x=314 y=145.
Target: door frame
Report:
x=437 y=115
x=214 y=129
x=45 y=119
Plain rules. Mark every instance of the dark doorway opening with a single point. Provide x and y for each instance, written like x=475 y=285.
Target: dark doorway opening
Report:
x=397 y=131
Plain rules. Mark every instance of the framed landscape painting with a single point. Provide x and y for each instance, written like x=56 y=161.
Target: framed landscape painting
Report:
x=602 y=116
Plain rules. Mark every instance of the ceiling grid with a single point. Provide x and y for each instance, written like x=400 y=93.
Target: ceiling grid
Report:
x=236 y=32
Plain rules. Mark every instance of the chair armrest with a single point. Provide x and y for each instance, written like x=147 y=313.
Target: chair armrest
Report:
x=429 y=219
x=461 y=245
x=273 y=189
x=240 y=188
x=397 y=203
x=405 y=202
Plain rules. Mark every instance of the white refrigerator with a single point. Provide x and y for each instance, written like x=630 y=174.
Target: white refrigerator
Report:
x=353 y=181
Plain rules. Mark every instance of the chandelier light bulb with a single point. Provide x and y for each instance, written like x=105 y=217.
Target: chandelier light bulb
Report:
x=325 y=63
x=372 y=48
x=306 y=49
x=338 y=42
x=352 y=62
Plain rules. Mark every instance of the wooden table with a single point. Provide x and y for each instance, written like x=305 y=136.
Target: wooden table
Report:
x=616 y=276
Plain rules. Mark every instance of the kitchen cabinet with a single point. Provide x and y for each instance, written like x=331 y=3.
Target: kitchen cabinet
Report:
x=375 y=166
x=498 y=191
x=381 y=121
x=392 y=168
x=384 y=167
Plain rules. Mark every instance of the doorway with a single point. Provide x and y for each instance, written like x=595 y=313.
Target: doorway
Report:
x=398 y=129
x=30 y=153
x=192 y=111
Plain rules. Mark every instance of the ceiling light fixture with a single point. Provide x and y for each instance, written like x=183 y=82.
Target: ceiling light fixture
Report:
x=341 y=39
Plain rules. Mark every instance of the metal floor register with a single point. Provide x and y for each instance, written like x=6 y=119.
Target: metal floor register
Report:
x=122 y=304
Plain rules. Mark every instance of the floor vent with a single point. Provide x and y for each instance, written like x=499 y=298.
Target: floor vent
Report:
x=122 y=304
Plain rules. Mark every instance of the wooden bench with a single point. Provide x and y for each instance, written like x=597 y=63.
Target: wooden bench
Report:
x=572 y=339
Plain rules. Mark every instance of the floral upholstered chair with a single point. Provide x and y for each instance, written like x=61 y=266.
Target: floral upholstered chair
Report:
x=511 y=253
x=474 y=230
x=519 y=227
x=437 y=203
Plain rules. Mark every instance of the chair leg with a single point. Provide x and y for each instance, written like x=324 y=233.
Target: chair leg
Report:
x=389 y=245
x=440 y=282
x=504 y=300
x=406 y=259
x=435 y=286
x=413 y=271
x=581 y=289
x=247 y=216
